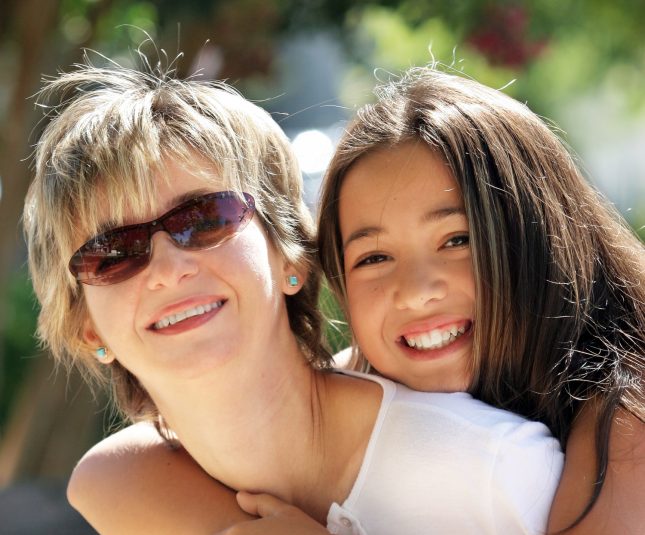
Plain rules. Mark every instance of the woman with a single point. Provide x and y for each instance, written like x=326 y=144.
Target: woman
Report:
x=169 y=244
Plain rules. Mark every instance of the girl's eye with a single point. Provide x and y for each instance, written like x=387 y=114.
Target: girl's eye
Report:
x=372 y=259
x=458 y=241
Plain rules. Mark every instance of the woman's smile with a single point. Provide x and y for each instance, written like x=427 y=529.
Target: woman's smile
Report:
x=188 y=316
x=191 y=311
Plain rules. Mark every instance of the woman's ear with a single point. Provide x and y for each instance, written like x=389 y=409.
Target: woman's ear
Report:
x=293 y=279
x=93 y=340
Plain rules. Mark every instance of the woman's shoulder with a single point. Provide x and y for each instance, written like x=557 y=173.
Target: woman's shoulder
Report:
x=619 y=508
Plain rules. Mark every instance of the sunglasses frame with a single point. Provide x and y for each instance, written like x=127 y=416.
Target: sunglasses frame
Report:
x=246 y=212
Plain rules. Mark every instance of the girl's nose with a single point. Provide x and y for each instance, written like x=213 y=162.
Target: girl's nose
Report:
x=169 y=263
x=419 y=283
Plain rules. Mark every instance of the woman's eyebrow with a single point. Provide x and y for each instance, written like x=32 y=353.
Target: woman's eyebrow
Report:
x=111 y=224
x=187 y=196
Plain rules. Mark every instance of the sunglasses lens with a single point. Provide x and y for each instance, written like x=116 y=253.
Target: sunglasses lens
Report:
x=112 y=257
x=197 y=224
x=210 y=220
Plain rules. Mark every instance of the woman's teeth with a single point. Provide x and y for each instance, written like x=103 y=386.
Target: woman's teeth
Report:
x=435 y=339
x=185 y=314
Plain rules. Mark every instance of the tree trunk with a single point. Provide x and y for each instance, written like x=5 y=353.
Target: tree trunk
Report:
x=34 y=21
x=55 y=419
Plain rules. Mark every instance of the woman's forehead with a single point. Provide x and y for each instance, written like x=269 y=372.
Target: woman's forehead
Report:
x=118 y=201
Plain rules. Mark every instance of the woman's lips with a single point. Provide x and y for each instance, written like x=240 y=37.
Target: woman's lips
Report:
x=187 y=319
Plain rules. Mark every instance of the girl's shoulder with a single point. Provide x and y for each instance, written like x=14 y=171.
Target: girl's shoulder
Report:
x=449 y=448
x=619 y=508
x=456 y=417
x=135 y=482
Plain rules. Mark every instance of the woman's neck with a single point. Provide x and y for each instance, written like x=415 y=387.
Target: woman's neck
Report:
x=288 y=430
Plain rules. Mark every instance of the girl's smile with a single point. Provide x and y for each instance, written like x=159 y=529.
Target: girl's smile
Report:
x=408 y=269
x=438 y=337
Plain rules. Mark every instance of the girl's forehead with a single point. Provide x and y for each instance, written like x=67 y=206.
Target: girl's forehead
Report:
x=390 y=174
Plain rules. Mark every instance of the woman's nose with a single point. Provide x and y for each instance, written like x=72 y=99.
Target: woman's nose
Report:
x=418 y=283
x=169 y=263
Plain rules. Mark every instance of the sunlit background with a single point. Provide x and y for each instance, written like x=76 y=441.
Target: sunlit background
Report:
x=581 y=64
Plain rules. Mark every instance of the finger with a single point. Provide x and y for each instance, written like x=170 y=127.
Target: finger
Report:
x=262 y=505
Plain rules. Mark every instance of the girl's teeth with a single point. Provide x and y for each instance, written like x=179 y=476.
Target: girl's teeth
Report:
x=180 y=316
x=435 y=339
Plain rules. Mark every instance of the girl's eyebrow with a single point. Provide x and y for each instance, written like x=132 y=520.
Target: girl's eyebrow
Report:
x=429 y=216
x=363 y=232
x=441 y=213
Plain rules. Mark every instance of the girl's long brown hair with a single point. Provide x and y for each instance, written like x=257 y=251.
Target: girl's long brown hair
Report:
x=560 y=316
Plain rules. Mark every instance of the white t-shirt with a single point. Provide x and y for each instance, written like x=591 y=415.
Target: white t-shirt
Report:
x=449 y=464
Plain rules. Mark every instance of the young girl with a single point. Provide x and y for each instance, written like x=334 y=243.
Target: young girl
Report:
x=169 y=246
x=470 y=254
x=443 y=175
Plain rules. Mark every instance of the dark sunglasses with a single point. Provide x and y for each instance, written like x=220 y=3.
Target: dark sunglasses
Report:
x=200 y=223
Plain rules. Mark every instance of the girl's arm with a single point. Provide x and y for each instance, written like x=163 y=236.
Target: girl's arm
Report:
x=620 y=507
x=133 y=483
x=276 y=518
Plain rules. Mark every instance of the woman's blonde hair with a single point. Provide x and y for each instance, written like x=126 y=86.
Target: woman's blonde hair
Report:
x=560 y=313
x=111 y=131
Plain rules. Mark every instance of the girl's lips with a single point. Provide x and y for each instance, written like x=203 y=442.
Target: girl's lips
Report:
x=437 y=337
x=437 y=324
x=444 y=349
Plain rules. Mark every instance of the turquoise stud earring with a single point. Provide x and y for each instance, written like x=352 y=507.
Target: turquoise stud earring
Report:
x=101 y=353
x=292 y=280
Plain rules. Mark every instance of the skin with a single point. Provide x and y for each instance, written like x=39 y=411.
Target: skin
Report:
x=184 y=498
x=619 y=506
x=408 y=269
x=240 y=271
x=193 y=494
x=233 y=383
x=109 y=509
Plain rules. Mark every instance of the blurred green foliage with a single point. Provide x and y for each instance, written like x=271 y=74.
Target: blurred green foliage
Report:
x=549 y=50
x=19 y=341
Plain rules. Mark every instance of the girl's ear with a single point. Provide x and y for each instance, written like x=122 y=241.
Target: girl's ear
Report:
x=293 y=279
x=93 y=340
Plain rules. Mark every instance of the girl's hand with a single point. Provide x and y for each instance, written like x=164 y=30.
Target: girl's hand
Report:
x=276 y=518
